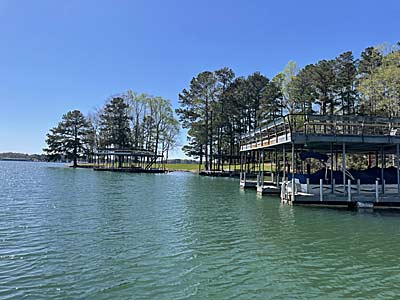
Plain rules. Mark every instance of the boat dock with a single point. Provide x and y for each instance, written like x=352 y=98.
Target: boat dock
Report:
x=309 y=158
x=128 y=161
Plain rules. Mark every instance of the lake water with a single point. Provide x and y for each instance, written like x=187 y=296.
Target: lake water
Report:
x=80 y=234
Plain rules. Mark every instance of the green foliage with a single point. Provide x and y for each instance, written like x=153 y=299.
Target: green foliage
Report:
x=346 y=72
x=218 y=108
x=70 y=138
x=126 y=121
x=114 y=124
x=380 y=89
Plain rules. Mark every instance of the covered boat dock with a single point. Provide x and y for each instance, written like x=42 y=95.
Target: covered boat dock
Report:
x=289 y=142
x=128 y=160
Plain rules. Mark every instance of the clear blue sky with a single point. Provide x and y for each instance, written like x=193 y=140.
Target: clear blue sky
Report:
x=61 y=55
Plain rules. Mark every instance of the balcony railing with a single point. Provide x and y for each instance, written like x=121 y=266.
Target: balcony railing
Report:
x=282 y=129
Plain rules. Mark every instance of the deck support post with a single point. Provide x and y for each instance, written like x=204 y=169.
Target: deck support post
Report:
x=277 y=180
x=262 y=167
x=349 y=190
x=332 y=189
x=344 y=168
x=293 y=172
x=383 y=169
x=284 y=162
x=272 y=174
x=245 y=168
x=333 y=185
x=358 y=185
x=321 y=190
x=308 y=185
x=240 y=171
x=276 y=167
x=398 y=167
x=376 y=190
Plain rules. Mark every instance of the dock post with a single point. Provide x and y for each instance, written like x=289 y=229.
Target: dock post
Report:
x=277 y=180
x=246 y=169
x=308 y=185
x=344 y=168
x=333 y=185
x=321 y=190
x=376 y=190
x=271 y=159
x=262 y=166
x=398 y=167
x=276 y=166
x=383 y=163
x=284 y=162
x=240 y=172
x=293 y=172
x=349 y=190
x=383 y=186
x=358 y=185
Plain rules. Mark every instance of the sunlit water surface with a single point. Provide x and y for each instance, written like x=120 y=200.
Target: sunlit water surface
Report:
x=81 y=234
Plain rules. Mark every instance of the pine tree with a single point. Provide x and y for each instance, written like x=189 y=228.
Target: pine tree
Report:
x=346 y=71
x=114 y=124
x=72 y=137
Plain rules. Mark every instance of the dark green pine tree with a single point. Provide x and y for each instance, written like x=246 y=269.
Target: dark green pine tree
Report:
x=196 y=109
x=254 y=90
x=370 y=59
x=224 y=77
x=346 y=72
x=71 y=138
x=114 y=124
x=323 y=80
x=302 y=91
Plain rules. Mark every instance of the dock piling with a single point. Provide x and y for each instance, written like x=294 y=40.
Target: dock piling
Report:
x=344 y=167
x=293 y=172
x=349 y=190
x=321 y=190
x=398 y=167
x=376 y=190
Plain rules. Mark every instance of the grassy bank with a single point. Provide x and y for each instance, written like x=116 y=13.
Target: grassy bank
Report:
x=183 y=167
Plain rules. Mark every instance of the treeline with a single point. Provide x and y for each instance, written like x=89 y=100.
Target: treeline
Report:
x=22 y=156
x=127 y=121
x=218 y=107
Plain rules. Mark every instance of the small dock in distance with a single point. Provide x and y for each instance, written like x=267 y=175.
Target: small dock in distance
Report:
x=128 y=161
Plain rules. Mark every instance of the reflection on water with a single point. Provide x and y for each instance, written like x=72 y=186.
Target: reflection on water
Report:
x=68 y=234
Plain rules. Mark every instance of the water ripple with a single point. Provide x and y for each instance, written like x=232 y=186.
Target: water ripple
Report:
x=79 y=234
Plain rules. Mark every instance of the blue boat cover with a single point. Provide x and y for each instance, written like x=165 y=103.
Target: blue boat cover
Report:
x=367 y=176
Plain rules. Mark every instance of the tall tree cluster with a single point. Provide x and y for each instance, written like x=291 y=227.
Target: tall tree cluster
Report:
x=218 y=107
x=127 y=121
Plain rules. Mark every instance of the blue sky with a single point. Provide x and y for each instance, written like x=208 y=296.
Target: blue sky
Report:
x=61 y=55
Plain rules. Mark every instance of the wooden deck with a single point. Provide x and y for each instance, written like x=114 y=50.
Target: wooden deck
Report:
x=359 y=132
x=132 y=170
